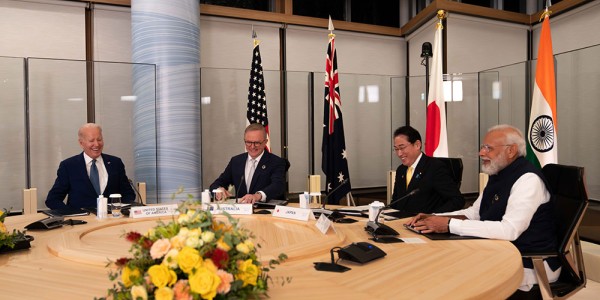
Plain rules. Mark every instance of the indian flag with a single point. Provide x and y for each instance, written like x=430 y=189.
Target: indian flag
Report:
x=436 y=137
x=542 y=137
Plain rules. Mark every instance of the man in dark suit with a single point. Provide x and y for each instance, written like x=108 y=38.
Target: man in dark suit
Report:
x=262 y=171
x=438 y=192
x=85 y=176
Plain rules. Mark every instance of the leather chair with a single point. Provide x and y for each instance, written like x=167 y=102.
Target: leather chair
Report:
x=456 y=168
x=571 y=201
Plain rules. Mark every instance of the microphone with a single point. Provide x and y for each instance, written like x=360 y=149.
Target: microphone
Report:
x=137 y=193
x=378 y=229
x=333 y=191
x=426 y=50
x=239 y=187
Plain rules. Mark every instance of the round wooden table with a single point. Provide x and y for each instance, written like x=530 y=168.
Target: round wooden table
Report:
x=69 y=262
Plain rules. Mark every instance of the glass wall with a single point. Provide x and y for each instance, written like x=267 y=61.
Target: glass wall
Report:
x=13 y=177
x=44 y=104
x=505 y=97
x=367 y=113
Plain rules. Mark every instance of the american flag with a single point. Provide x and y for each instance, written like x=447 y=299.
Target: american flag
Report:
x=335 y=163
x=257 y=100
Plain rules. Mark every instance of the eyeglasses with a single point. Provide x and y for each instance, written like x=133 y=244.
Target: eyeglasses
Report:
x=255 y=144
x=488 y=148
x=400 y=148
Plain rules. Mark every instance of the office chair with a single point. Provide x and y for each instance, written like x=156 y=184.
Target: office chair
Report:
x=456 y=168
x=570 y=201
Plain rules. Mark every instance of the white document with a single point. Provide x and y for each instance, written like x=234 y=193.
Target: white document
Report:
x=294 y=213
x=323 y=224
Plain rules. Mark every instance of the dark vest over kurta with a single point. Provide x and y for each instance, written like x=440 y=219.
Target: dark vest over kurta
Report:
x=541 y=233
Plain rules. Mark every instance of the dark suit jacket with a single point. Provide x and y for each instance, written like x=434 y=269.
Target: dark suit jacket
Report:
x=438 y=192
x=72 y=179
x=269 y=176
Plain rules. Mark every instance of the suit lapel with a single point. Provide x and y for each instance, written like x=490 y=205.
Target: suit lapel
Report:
x=418 y=172
x=261 y=167
x=84 y=173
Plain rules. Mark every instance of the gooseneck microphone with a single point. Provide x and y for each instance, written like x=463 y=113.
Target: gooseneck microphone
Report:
x=378 y=229
x=237 y=191
x=333 y=191
x=137 y=192
x=426 y=50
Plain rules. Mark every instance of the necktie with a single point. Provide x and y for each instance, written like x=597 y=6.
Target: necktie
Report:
x=250 y=174
x=94 y=177
x=409 y=173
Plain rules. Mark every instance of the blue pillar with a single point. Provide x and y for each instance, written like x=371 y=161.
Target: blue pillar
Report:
x=166 y=33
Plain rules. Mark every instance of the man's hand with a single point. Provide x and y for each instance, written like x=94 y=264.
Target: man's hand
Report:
x=429 y=223
x=250 y=198
x=222 y=194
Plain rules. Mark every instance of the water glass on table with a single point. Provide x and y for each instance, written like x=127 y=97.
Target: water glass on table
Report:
x=115 y=205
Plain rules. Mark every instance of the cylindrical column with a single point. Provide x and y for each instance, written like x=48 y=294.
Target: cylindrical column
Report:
x=166 y=33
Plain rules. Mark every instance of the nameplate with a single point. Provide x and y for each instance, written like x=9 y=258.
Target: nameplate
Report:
x=323 y=224
x=232 y=209
x=294 y=213
x=153 y=211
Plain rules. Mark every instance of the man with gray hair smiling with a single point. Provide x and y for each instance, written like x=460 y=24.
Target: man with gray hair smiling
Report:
x=515 y=205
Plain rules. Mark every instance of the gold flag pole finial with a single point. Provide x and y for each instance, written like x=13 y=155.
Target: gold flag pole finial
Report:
x=441 y=14
x=330 y=28
x=254 y=36
x=545 y=14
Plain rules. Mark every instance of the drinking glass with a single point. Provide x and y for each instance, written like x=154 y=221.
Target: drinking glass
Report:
x=115 y=205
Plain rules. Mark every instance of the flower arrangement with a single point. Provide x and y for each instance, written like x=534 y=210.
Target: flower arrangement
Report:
x=8 y=240
x=195 y=256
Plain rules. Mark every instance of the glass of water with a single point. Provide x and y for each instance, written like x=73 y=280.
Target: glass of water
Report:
x=115 y=205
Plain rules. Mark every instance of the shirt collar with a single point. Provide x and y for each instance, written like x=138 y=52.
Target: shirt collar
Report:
x=257 y=158
x=414 y=165
x=88 y=159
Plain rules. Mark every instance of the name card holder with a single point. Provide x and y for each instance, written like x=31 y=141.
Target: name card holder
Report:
x=137 y=212
x=232 y=209
x=294 y=213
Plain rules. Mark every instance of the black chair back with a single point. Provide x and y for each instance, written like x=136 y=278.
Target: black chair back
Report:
x=570 y=199
x=456 y=168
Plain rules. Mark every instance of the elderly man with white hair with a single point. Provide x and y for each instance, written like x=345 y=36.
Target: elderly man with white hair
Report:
x=515 y=205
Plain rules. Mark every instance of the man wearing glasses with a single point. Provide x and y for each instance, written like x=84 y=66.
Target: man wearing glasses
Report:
x=257 y=175
x=515 y=205
x=438 y=192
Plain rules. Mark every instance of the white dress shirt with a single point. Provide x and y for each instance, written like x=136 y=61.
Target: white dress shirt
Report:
x=247 y=171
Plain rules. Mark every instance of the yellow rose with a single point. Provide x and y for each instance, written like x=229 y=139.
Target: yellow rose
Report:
x=138 y=291
x=193 y=242
x=162 y=276
x=2 y=228
x=188 y=259
x=164 y=293
x=209 y=264
x=183 y=218
x=242 y=248
x=247 y=272
x=205 y=283
x=222 y=245
x=195 y=232
x=129 y=276
x=250 y=244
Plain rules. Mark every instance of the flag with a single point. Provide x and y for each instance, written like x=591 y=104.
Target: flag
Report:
x=541 y=137
x=257 y=100
x=334 y=163
x=436 y=137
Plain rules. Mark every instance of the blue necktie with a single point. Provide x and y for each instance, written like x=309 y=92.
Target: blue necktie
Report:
x=94 y=177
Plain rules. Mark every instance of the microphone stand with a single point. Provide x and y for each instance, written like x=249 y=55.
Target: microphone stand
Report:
x=377 y=229
x=426 y=54
x=332 y=214
x=137 y=193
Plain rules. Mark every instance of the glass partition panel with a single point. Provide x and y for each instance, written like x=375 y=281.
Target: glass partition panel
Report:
x=461 y=121
x=505 y=99
x=58 y=106
x=398 y=115
x=12 y=133
x=366 y=103
x=299 y=138
x=118 y=109
x=578 y=74
x=224 y=98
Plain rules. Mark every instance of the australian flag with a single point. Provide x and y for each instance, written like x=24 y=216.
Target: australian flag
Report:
x=335 y=163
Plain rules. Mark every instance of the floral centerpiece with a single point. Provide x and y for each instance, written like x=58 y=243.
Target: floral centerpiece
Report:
x=195 y=256
x=8 y=240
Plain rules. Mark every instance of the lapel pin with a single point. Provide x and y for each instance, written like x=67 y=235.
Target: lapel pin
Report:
x=264 y=167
